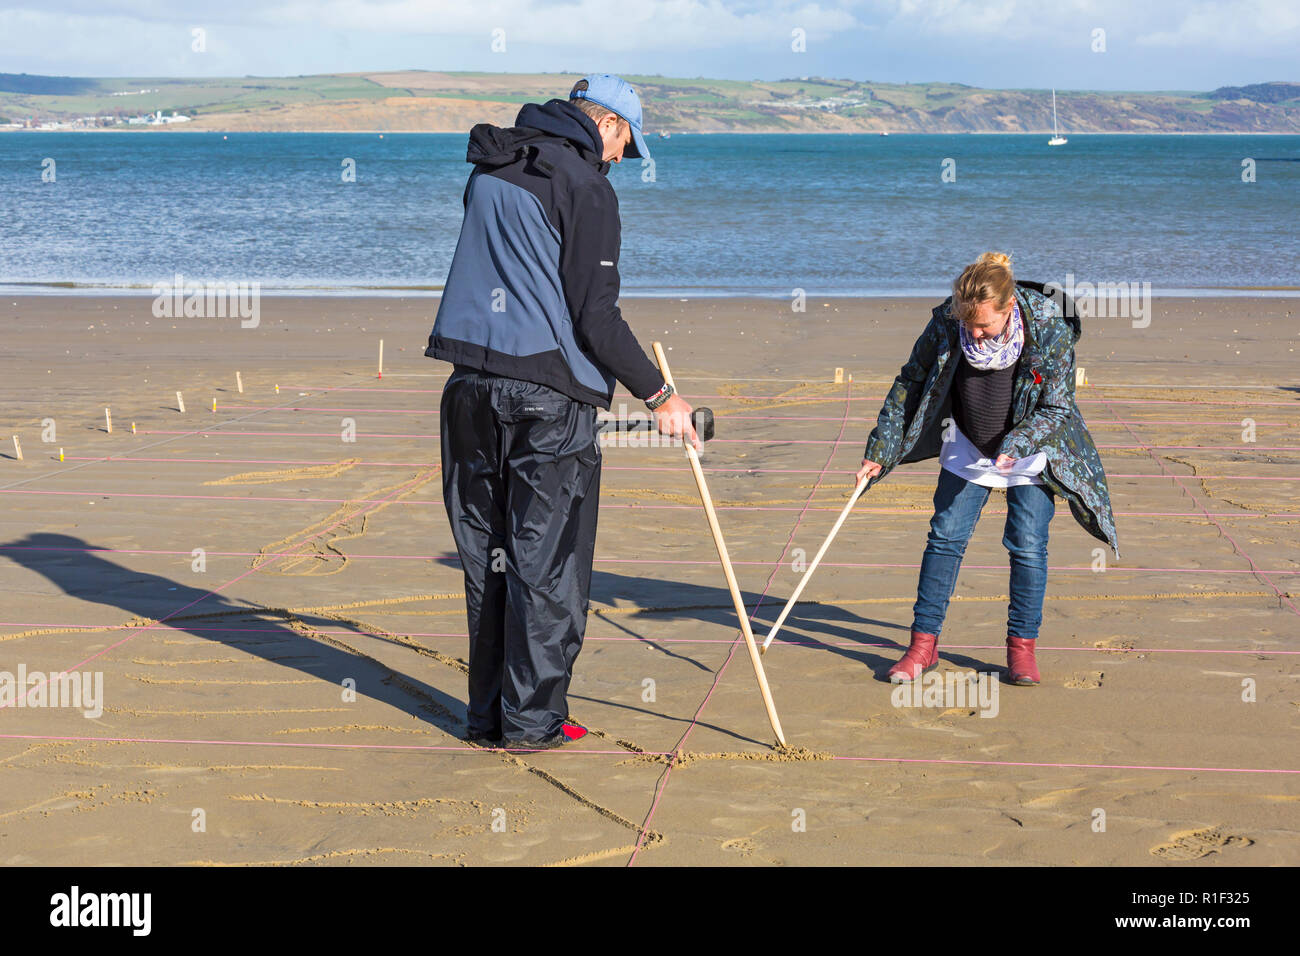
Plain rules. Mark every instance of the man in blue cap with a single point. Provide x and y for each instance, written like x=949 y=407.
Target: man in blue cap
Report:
x=529 y=318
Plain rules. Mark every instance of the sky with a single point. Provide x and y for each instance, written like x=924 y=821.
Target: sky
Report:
x=1067 y=44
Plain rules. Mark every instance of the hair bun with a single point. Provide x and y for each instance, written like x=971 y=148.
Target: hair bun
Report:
x=987 y=279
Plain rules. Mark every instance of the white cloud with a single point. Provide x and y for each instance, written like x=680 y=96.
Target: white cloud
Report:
x=1243 y=26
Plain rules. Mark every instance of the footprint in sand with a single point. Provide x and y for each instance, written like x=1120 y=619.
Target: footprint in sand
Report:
x=1115 y=644
x=742 y=845
x=1195 y=844
x=1086 y=681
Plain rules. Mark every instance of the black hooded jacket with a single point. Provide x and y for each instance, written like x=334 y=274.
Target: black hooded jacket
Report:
x=532 y=292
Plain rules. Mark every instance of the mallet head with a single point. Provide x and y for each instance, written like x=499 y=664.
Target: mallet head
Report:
x=702 y=422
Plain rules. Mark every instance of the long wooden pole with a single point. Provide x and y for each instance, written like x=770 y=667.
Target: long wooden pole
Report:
x=736 y=599
x=803 y=583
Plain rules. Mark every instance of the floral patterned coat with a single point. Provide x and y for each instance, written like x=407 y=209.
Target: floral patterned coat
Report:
x=1045 y=417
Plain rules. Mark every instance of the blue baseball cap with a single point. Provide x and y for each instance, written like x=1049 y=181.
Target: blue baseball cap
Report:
x=616 y=95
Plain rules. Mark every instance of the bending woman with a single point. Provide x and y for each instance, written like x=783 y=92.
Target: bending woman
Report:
x=992 y=377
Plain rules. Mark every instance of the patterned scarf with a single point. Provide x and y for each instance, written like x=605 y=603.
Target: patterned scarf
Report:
x=996 y=353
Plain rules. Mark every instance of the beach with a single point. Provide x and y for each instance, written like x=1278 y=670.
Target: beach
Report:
x=278 y=621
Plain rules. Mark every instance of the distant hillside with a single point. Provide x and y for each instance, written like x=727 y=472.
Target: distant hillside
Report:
x=429 y=101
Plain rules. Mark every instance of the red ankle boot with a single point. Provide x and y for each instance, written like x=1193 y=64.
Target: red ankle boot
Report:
x=922 y=655
x=1022 y=669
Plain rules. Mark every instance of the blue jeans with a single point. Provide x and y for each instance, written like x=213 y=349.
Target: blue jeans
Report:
x=957 y=507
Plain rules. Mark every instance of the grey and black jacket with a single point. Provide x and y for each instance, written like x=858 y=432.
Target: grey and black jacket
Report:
x=532 y=293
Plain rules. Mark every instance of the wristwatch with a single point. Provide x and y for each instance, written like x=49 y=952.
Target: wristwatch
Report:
x=659 y=397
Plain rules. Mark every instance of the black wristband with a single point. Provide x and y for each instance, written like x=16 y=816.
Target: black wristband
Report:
x=659 y=397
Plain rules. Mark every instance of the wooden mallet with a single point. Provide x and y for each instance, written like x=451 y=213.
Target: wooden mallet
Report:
x=803 y=582
x=701 y=421
x=736 y=599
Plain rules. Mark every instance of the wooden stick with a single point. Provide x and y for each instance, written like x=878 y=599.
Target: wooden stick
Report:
x=108 y=420
x=736 y=599
x=803 y=583
x=18 y=449
x=381 y=358
x=180 y=402
x=239 y=383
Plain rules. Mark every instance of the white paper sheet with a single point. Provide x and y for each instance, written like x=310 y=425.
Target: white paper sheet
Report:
x=963 y=459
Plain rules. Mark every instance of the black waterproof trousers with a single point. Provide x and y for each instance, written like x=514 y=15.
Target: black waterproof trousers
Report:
x=521 y=480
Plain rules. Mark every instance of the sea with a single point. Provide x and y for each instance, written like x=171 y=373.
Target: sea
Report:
x=708 y=214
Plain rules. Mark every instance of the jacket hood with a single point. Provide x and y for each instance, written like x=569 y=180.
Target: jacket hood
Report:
x=495 y=146
x=1069 y=311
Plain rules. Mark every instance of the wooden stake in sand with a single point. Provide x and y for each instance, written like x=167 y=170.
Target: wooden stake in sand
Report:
x=108 y=420
x=803 y=582
x=133 y=428
x=239 y=383
x=60 y=454
x=18 y=449
x=839 y=376
x=180 y=402
x=721 y=545
x=381 y=358
x=214 y=404
x=1079 y=377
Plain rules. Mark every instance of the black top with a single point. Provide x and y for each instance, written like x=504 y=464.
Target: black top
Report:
x=981 y=404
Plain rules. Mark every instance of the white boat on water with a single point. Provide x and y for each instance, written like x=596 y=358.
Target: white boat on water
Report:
x=1057 y=139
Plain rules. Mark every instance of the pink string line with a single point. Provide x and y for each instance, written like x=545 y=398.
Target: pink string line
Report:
x=652 y=507
x=1255 y=569
x=343 y=632
x=568 y=752
x=717 y=678
x=716 y=441
x=862 y=398
x=606 y=559
x=102 y=493
x=902 y=472
x=1233 y=423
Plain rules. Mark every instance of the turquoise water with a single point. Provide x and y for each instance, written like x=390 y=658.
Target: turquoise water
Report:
x=751 y=214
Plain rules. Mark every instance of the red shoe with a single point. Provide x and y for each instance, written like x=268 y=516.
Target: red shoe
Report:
x=922 y=656
x=1022 y=669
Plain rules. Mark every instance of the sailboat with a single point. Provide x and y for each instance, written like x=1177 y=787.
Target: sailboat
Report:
x=1057 y=139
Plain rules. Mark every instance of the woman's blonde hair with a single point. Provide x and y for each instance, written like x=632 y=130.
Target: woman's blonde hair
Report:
x=987 y=279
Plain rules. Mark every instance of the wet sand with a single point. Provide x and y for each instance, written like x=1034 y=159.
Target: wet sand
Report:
x=326 y=561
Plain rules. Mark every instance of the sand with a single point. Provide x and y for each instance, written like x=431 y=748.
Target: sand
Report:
x=229 y=737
